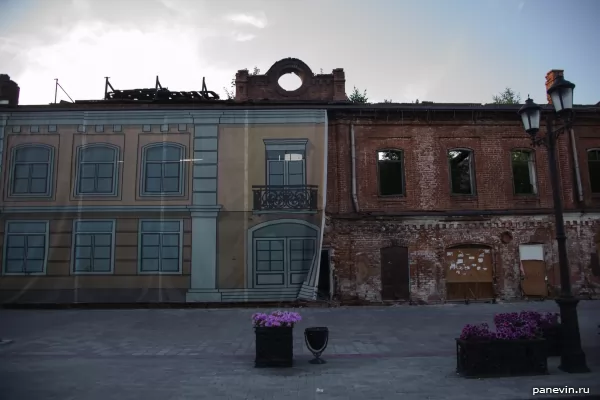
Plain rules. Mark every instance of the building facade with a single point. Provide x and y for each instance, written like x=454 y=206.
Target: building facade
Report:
x=431 y=202
x=119 y=201
x=287 y=195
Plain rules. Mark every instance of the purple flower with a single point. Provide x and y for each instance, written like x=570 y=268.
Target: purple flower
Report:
x=512 y=326
x=276 y=319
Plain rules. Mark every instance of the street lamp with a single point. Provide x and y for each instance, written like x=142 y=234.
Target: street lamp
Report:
x=572 y=357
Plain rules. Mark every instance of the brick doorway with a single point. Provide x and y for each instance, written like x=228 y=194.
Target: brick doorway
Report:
x=395 y=276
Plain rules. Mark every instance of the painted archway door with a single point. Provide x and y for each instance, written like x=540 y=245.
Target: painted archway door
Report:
x=281 y=253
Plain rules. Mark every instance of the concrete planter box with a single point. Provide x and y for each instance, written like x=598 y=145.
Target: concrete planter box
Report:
x=487 y=358
x=274 y=347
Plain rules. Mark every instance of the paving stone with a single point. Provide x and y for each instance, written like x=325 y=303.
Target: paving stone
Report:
x=394 y=352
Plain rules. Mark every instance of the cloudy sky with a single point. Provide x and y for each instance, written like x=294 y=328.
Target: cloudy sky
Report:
x=435 y=50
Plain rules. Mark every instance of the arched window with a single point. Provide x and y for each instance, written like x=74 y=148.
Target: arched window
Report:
x=31 y=171
x=390 y=172
x=162 y=172
x=594 y=169
x=462 y=177
x=523 y=171
x=97 y=170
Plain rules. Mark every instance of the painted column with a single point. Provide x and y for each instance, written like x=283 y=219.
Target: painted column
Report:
x=3 y=121
x=203 y=286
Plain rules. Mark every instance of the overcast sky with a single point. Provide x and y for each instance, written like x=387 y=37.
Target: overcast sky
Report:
x=435 y=50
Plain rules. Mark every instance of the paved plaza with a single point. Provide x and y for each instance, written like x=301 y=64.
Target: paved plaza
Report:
x=404 y=352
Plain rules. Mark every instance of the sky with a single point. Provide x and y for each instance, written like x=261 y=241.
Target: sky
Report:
x=452 y=51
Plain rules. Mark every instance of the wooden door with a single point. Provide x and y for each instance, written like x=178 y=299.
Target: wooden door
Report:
x=395 y=279
x=533 y=269
x=534 y=280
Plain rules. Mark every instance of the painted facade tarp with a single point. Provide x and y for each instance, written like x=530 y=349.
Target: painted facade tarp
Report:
x=162 y=206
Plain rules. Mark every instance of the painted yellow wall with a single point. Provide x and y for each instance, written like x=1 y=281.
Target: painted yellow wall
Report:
x=130 y=142
x=58 y=270
x=242 y=160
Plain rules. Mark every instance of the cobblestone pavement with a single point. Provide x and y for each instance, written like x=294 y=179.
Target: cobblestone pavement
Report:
x=374 y=353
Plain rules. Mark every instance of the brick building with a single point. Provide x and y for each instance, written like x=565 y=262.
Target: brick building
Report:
x=436 y=202
x=283 y=195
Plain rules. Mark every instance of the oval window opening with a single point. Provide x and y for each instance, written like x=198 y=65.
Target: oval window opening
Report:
x=290 y=81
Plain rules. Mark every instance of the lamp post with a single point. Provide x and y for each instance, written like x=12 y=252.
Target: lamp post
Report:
x=572 y=357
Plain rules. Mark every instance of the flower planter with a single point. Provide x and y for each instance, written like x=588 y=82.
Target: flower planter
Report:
x=274 y=347
x=487 y=358
x=553 y=334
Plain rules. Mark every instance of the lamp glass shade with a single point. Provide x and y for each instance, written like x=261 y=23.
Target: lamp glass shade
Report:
x=530 y=115
x=561 y=93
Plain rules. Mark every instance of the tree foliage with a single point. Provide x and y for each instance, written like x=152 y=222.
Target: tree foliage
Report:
x=357 y=97
x=508 y=96
x=230 y=93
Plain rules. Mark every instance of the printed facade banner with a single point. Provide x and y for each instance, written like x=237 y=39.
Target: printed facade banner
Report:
x=162 y=206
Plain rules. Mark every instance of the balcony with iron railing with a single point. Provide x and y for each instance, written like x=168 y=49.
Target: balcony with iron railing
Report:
x=269 y=198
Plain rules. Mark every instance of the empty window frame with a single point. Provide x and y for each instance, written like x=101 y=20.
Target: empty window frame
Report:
x=390 y=172
x=593 y=162
x=523 y=172
x=462 y=176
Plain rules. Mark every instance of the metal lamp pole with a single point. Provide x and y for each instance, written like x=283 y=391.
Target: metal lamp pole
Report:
x=572 y=358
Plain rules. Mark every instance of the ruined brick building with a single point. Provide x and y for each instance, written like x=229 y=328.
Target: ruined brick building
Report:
x=281 y=195
x=438 y=202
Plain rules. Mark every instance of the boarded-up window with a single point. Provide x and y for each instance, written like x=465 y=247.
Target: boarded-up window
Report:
x=469 y=273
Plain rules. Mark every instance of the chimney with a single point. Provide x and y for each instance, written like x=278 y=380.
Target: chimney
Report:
x=241 y=85
x=9 y=91
x=339 y=85
x=551 y=76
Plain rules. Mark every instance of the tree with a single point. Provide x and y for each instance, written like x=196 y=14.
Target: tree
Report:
x=387 y=100
x=508 y=96
x=231 y=93
x=357 y=97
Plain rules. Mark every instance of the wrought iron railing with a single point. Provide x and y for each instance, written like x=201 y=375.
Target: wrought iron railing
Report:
x=288 y=197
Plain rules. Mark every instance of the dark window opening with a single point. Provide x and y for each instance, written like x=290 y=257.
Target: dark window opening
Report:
x=523 y=169
x=391 y=172
x=594 y=170
x=461 y=171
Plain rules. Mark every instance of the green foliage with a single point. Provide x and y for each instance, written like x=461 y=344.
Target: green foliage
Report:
x=357 y=97
x=508 y=96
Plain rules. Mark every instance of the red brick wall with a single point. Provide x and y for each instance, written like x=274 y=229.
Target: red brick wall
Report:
x=356 y=248
x=426 y=168
x=321 y=87
x=356 y=239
